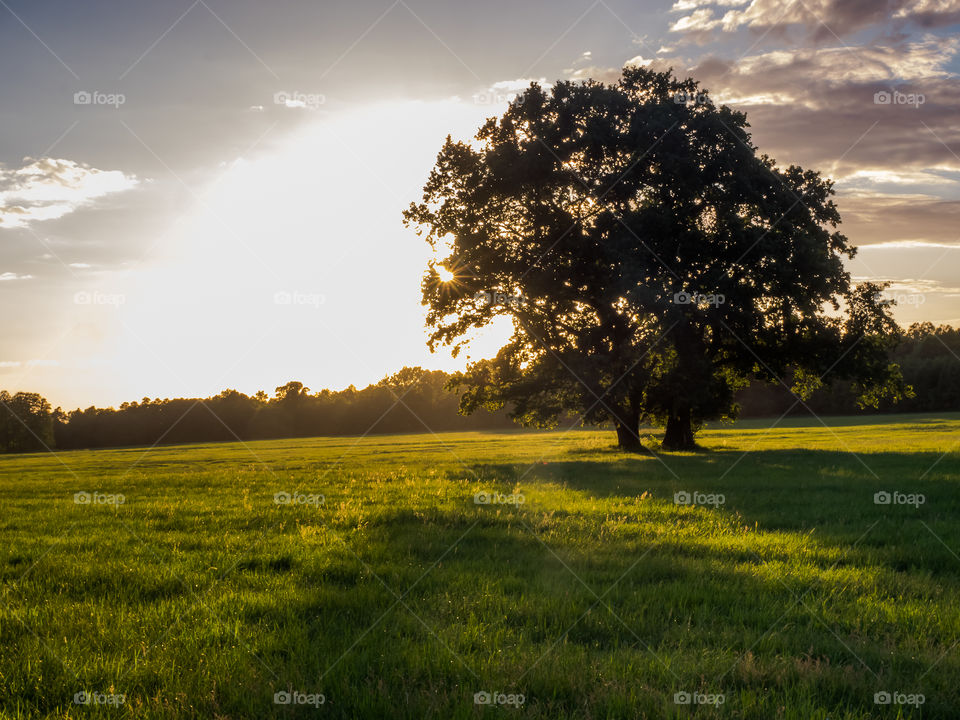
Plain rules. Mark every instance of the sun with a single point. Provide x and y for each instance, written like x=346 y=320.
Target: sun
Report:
x=445 y=275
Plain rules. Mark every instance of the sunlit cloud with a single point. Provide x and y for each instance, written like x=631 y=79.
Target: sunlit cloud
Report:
x=820 y=19
x=699 y=20
x=922 y=60
x=611 y=74
x=516 y=85
x=49 y=188
x=910 y=244
x=685 y=5
x=876 y=176
x=922 y=286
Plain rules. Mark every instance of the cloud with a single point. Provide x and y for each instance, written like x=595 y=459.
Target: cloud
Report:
x=922 y=60
x=593 y=72
x=516 y=86
x=920 y=286
x=930 y=13
x=903 y=221
x=878 y=176
x=506 y=91
x=901 y=244
x=5 y=364
x=838 y=109
x=685 y=5
x=48 y=188
x=611 y=75
x=14 y=276
x=818 y=78
x=820 y=19
x=699 y=20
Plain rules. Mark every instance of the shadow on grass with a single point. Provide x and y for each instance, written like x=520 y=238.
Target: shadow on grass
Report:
x=526 y=600
x=775 y=488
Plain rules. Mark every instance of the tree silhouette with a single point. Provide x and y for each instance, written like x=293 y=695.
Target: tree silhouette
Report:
x=292 y=391
x=26 y=422
x=650 y=259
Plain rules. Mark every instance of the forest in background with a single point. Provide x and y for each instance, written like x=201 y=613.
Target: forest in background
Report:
x=414 y=400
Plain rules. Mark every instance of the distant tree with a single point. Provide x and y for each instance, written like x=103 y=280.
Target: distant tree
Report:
x=650 y=259
x=26 y=422
x=293 y=390
x=404 y=379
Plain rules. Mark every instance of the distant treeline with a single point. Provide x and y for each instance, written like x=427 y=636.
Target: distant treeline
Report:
x=410 y=401
x=928 y=356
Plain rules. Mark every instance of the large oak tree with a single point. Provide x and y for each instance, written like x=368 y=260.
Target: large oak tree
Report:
x=651 y=261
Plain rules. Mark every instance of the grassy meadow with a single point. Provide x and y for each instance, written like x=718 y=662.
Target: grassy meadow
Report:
x=583 y=589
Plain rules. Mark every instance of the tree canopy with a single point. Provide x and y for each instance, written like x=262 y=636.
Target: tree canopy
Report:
x=651 y=260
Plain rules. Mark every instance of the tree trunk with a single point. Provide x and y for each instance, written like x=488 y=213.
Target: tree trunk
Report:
x=628 y=432
x=679 y=432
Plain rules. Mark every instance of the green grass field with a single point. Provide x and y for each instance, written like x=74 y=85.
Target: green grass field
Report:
x=396 y=595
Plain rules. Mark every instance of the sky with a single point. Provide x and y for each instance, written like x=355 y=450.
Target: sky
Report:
x=207 y=194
